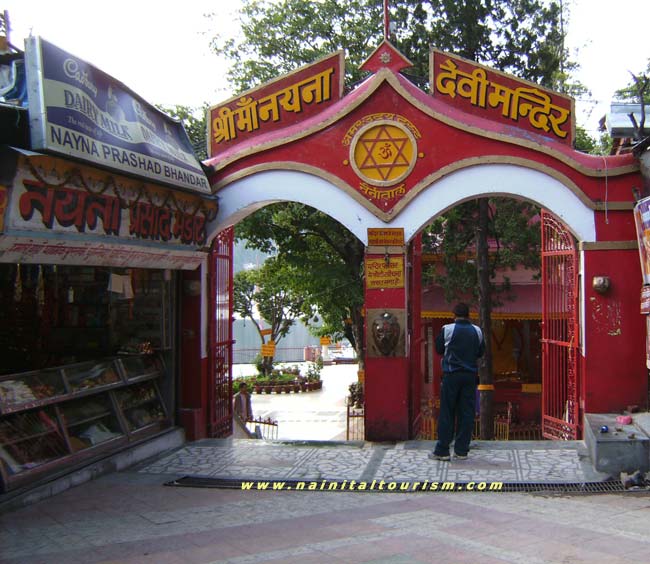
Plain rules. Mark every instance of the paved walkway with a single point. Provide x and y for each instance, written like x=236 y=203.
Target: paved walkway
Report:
x=317 y=415
x=133 y=517
x=508 y=461
x=139 y=517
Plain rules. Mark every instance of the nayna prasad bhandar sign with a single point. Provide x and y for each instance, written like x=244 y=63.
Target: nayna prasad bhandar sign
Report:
x=81 y=112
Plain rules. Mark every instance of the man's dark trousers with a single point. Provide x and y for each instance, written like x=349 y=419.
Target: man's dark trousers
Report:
x=457 y=402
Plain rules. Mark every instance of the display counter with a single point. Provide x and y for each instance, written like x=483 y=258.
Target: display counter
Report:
x=59 y=417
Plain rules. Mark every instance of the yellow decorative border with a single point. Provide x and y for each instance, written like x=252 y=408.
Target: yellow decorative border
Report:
x=499 y=159
x=428 y=314
x=608 y=246
x=384 y=75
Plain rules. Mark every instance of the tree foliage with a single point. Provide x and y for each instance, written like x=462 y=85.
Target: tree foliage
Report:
x=278 y=37
x=513 y=231
x=326 y=259
x=195 y=127
x=638 y=87
x=269 y=290
x=521 y=37
x=638 y=92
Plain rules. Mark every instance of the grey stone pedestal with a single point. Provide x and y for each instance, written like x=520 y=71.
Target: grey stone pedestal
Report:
x=624 y=448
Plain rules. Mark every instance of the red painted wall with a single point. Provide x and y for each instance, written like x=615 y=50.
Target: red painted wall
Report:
x=386 y=397
x=613 y=371
x=193 y=369
x=386 y=385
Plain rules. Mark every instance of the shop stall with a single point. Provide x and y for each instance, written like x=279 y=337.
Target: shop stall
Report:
x=99 y=215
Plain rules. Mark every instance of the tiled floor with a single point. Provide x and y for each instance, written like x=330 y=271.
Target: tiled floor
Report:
x=132 y=517
x=508 y=461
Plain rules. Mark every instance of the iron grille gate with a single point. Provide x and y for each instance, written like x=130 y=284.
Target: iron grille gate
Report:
x=560 y=408
x=220 y=335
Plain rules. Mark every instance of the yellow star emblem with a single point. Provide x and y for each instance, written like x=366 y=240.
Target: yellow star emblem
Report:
x=384 y=153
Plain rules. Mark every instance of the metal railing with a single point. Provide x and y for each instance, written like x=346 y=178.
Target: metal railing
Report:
x=263 y=428
x=354 y=426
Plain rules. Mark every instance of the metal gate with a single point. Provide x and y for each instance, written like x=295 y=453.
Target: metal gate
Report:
x=560 y=331
x=220 y=335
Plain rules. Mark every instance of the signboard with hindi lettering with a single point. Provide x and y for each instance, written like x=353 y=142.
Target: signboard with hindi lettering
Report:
x=386 y=236
x=382 y=273
x=79 y=111
x=498 y=96
x=275 y=105
x=70 y=213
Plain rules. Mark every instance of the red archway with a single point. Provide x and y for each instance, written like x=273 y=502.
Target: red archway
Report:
x=389 y=157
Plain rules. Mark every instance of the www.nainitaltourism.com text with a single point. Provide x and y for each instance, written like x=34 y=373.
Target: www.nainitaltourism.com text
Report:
x=375 y=485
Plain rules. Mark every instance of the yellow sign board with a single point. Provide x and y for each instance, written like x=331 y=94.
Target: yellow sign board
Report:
x=264 y=332
x=381 y=273
x=325 y=340
x=386 y=237
x=268 y=350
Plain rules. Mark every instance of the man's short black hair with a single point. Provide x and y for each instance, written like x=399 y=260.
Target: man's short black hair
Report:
x=461 y=310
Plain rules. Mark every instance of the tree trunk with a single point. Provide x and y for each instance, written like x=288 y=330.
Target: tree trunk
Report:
x=485 y=321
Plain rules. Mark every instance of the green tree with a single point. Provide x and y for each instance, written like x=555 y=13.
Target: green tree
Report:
x=195 y=127
x=327 y=262
x=639 y=85
x=270 y=290
x=637 y=91
x=512 y=229
x=522 y=37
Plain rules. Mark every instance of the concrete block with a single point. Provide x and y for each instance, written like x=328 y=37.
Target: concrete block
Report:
x=624 y=448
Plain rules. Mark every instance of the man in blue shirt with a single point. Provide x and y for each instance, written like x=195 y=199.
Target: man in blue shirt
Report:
x=461 y=343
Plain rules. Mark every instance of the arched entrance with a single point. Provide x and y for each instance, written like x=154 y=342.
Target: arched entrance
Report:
x=388 y=156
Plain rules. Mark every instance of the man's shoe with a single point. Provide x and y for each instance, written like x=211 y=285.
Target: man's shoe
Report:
x=443 y=457
x=460 y=456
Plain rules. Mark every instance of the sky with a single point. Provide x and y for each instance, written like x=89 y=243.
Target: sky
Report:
x=161 y=50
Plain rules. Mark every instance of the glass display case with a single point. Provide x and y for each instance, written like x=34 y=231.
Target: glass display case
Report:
x=31 y=388
x=66 y=415
x=90 y=375
x=90 y=421
x=141 y=405
x=30 y=439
